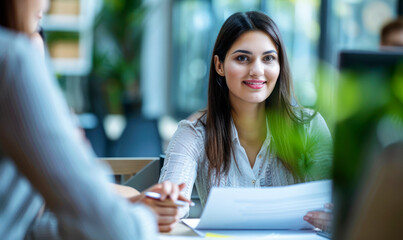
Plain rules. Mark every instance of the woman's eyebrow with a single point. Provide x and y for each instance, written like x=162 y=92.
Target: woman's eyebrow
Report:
x=271 y=51
x=248 y=52
x=242 y=51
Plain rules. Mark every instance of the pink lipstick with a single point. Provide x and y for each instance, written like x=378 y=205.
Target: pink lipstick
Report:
x=254 y=84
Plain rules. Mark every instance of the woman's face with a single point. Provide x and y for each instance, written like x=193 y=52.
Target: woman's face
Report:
x=251 y=68
x=33 y=13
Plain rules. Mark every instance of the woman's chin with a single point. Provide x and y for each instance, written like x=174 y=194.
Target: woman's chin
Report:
x=34 y=26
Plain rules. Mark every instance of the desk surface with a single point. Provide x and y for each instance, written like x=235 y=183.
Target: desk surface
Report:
x=183 y=232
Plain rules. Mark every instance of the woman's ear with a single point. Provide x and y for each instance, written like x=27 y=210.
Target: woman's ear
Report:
x=219 y=66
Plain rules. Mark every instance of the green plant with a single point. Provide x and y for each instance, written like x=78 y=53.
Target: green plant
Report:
x=116 y=60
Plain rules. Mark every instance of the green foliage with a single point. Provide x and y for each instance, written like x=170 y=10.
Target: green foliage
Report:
x=55 y=36
x=360 y=118
x=356 y=104
x=118 y=40
x=326 y=83
x=292 y=143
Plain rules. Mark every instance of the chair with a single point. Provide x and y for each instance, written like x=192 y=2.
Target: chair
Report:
x=140 y=138
x=129 y=167
x=94 y=132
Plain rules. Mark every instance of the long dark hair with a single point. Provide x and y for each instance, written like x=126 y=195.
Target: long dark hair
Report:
x=285 y=119
x=393 y=26
x=9 y=16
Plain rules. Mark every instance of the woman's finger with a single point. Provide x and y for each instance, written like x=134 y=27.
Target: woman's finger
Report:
x=182 y=186
x=164 y=220
x=319 y=219
x=325 y=216
x=156 y=202
x=167 y=203
x=166 y=228
x=155 y=188
x=165 y=190
x=319 y=215
x=166 y=211
x=173 y=195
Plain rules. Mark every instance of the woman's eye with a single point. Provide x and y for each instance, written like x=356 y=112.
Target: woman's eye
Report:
x=242 y=58
x=269 y=58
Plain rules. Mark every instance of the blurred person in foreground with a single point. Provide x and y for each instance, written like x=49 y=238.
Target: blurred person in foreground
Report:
x=49 y=162
x=391 y=40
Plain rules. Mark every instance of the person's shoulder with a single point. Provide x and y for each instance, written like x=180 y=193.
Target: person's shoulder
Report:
x=314 y=122
x=196 y=126
x=310 y=118
x=189 y=136
x=14 y=45
x=308 y=115
x=316 y=118
x=15 y=55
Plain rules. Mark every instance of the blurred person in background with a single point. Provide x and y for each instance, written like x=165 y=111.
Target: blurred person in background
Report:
x=253 y=133
x=41 y=159
x=392 y=33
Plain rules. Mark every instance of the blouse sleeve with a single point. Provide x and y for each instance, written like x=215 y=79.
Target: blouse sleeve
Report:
x=182 y=155
x=36 y=131
x=319 y=149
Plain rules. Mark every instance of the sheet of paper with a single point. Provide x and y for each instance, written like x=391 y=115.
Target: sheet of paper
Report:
x=264 y=208
x=252 y=234
x=286 y=235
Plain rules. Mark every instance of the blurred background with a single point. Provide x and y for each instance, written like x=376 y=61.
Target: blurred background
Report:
x=131 y=69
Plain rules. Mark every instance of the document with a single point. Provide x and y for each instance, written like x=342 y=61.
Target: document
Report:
x=284 y=235
x=263 y=208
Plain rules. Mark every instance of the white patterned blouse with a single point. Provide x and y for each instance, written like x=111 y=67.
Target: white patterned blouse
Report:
x=186 y=160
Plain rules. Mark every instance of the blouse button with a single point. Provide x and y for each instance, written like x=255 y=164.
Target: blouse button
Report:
x=253 y=181
x=260 y=156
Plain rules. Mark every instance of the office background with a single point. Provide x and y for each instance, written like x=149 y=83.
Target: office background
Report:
x=132 y=69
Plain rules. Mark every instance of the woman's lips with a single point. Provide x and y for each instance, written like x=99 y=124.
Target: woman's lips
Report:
x=254 y=84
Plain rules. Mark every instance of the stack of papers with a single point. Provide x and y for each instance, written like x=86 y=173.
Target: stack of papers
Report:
x=263 y=208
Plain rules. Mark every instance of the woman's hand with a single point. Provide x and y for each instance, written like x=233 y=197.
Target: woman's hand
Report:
x=165 y=207
x=125 y=191
x=321 y=219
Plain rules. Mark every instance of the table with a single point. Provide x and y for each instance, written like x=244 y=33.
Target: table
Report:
x=183 y=232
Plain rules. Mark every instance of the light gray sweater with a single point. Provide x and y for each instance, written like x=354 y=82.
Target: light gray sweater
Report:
x=37 y=133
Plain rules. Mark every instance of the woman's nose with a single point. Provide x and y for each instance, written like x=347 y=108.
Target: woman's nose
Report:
x=256 y=68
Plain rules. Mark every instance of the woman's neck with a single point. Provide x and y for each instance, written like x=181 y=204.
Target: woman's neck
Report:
x=250 y=122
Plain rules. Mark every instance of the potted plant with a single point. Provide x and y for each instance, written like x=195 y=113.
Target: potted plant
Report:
x=117 y=51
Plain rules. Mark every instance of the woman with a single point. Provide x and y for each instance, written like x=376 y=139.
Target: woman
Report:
x=48 y=161
x=253 y=133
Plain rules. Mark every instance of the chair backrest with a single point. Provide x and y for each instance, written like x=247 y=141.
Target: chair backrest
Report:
x=140 y=138
x=148 y=176
x=142 y=172
x=95 y=133
x=128 y=166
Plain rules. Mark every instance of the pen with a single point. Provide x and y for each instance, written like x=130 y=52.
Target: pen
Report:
x=157 y=196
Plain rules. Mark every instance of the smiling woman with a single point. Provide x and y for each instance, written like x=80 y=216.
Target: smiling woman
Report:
x=251 y=69
x=253 y=133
